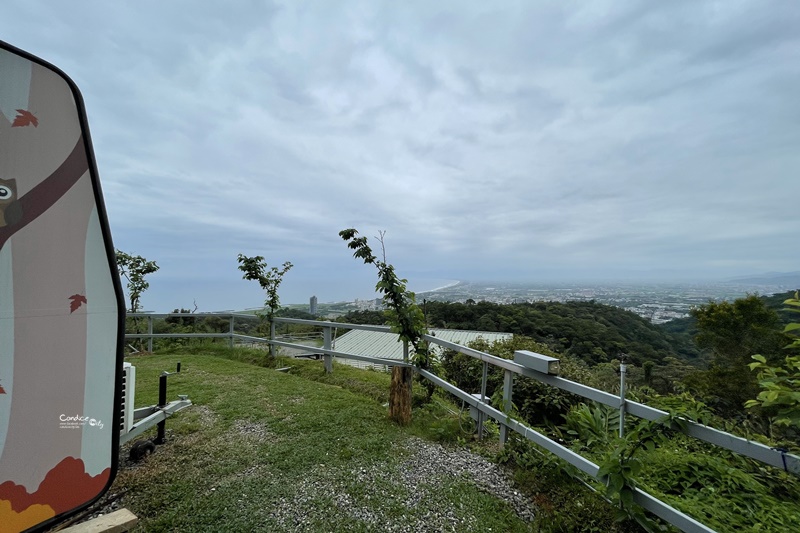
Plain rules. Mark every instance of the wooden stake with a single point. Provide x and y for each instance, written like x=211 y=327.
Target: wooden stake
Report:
x=400 y=395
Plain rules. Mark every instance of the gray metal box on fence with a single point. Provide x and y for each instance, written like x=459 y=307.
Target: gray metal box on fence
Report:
x=474 y=413
x=536 y=361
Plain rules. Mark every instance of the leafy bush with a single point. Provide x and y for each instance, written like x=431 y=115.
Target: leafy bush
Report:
x=565 y=503
x=780 y=389
x=781 y=385
x=719 y=488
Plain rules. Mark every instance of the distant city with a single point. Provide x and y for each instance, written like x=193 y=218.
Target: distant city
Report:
x=656 y=302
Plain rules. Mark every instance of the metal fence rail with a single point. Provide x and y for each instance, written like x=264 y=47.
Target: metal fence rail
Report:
x=230 y=335
x=752 y=449
x=765 y=454
x=755 y=450
x=654 y=505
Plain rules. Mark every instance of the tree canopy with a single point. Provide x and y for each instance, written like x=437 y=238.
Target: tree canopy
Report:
x=732 y=332
x=134 y=268
x=255 y=268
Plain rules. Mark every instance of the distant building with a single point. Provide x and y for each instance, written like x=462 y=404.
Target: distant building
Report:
x=312 y=305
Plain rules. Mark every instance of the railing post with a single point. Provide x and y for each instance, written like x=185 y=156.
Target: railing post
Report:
x=483 y=398
x=230 y=343
x=150 y=332
x=508 y=384
x=326 y=343
x=162 y=401
x=622 y=370
x=272 y=338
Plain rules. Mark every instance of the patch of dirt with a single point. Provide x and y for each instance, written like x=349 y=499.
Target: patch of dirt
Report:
x=252 y=430
x=207 y=416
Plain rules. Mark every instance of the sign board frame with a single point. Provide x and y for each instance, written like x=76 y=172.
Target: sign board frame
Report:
x=62 y=310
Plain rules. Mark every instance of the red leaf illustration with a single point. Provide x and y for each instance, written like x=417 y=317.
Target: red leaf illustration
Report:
x=77 y=300
x=2 y=390
x=25 y=118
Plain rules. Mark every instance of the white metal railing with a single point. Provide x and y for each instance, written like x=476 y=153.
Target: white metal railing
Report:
x=765 y=454
x=770 y=456
x=150 y=335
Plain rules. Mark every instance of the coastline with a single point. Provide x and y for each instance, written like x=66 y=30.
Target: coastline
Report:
x=453 y=283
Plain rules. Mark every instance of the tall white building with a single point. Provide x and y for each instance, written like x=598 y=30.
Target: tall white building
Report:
x=312 y=305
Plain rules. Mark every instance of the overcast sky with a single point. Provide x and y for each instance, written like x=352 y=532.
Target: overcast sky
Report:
x=491 y=140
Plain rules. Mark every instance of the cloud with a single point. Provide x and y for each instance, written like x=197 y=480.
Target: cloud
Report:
x=528 y=140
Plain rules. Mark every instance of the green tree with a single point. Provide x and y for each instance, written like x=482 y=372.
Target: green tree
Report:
x=405 y=318
x=793 y=329
x=364 y=316
x=134 y=268
x=781 y=385
x=732 y=332
x=255 y=268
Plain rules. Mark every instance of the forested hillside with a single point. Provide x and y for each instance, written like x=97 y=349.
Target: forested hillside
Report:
x=688 y=326
x=593 y=332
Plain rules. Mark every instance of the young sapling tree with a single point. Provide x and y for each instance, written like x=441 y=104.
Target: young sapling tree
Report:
x=405 y=317
x=134 y=268
x=255 y=268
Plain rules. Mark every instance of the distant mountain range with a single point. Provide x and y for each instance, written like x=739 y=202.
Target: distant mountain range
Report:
x=787 y=279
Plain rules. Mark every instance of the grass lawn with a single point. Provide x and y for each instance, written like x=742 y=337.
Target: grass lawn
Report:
x=262 y=450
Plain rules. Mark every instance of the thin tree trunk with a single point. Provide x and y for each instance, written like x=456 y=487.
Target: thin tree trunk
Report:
x=400 y=395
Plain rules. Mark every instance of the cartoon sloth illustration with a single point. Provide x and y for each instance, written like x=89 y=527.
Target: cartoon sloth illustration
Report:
x=10 y=208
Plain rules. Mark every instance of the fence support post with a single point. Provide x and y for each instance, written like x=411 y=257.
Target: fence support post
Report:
x=150 y=332
x=622 y=370
x=162 y=401
x=272 y=338
x=481 y=416
x=326 y=343
x=508 y=383
x=230 y=331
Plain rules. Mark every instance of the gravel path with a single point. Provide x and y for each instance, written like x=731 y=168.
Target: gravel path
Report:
x=411 y=492
x=427 y=471
x=432 y=463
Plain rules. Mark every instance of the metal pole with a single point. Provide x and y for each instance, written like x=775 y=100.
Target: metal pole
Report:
x=230 y=330
x=162 y=401
x=272 y=338
x=405 y=351
x=483 y=398
x=150 y=332
x=326 y=343
x=622 y=370
x=508 y=384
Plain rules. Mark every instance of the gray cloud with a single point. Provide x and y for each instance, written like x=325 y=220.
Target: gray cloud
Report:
x=546 y=139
